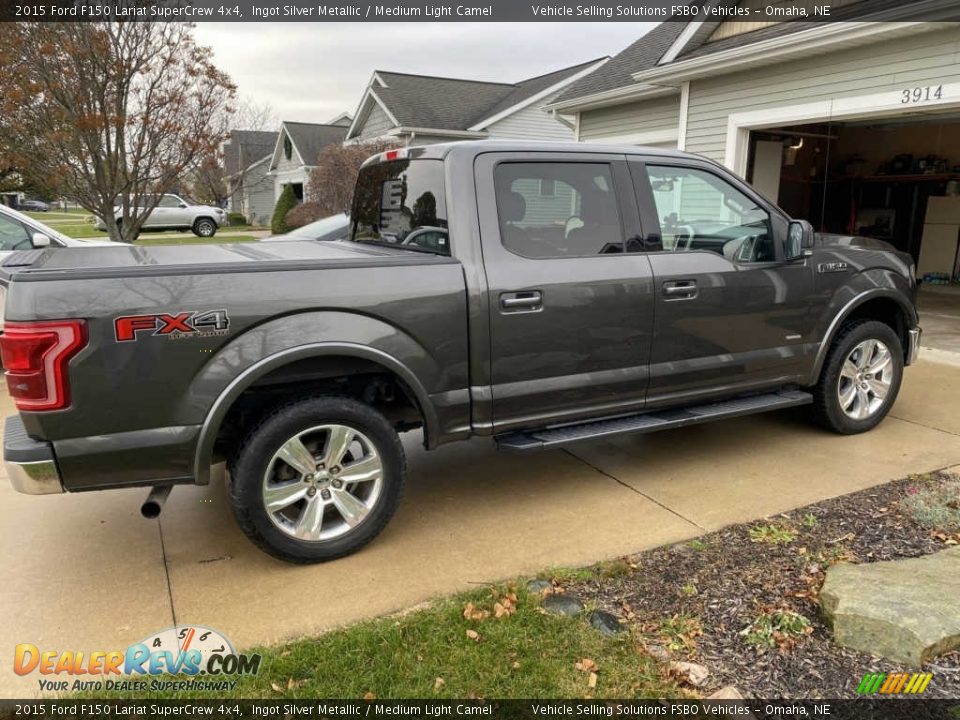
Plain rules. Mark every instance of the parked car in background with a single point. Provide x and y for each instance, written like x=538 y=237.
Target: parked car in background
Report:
x=20 y=232
x=335 y=227
x=175 y=213
x=35 y=206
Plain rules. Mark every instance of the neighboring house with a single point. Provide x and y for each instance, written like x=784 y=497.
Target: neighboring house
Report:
x=297 y=148
x=420 y=110
x=853 y=125
x=244 y=161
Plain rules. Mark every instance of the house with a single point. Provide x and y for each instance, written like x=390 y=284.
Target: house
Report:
x=853 y=125
x=420 y=109
x=297 y=148
x=250 y=190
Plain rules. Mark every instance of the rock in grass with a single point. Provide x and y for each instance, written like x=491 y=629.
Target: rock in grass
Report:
x=726 y=693
x=693 y=673
x=538 y=587
x=904 y=610
x=605 y=622
x=658 y=652
x=562 y=605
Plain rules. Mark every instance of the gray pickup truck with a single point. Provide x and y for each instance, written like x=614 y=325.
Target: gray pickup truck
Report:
x=540 y=294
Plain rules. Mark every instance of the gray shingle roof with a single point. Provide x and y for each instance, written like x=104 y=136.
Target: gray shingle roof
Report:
x=311 y=138
x=455 y=104
x=246 y=147
x=642 y=54
x=647 y=51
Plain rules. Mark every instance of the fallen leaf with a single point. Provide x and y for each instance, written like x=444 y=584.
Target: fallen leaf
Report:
x=516 y=664
x=369 y=696
x=285 y=653
x=592 y=682
x=473 y=635
x=438 y=683
x=586 y=665
x=276 y=688
x=472 y=613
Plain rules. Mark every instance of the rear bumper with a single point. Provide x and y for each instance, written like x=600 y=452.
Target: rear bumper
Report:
x=30 y=463
x=913 y=345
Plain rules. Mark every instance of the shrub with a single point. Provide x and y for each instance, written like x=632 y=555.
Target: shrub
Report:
x=236 y=218
x=333 y=179
x=303 y=214
x=285 y=203
x=937 y=508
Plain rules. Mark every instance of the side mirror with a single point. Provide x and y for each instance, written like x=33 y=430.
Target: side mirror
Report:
x=40 y=240
x=800 y=239
x=183 y=205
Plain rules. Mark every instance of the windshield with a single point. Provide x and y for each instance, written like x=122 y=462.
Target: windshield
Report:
x=394 y=199
x=328 y=228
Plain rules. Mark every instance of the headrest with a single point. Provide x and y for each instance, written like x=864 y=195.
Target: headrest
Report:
x=513 y=207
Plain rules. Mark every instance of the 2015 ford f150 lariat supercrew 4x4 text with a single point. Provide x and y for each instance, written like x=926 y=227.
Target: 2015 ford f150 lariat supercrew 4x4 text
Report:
x=538 y=293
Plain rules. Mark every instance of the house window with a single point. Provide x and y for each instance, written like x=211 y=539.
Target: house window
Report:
x=287 y=147
x=548 y=187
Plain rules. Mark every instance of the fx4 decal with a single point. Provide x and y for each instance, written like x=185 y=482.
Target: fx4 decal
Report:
x=188 y=324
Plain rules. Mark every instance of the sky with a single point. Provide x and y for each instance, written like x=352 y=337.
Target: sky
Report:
x=312 y=72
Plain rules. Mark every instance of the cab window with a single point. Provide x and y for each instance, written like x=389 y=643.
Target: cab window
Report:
x=701 y=211
x=557 y=209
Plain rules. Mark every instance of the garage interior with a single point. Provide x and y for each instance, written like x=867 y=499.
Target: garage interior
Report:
x=896 y=179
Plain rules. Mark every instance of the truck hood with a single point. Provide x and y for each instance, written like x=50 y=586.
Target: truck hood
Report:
x=127 y=260
x=829 y=240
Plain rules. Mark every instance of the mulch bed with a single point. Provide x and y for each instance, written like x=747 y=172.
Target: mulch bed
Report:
x=695 y=598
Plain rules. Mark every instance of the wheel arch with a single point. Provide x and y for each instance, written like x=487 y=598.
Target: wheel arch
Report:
x=886 y=305
x=332 y=350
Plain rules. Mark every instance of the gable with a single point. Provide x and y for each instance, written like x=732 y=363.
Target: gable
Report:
x=376 y=124
x=285 y=154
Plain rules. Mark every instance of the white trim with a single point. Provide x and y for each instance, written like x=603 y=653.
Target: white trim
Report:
x=883 y=104
x=576 y=128
x=693 y=30
x=483 y=124
x=684 y=112
x=617 y=96
x=643 y=138
x=801 y=43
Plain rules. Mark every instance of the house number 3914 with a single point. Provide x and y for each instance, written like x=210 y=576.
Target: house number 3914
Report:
x=921 y=94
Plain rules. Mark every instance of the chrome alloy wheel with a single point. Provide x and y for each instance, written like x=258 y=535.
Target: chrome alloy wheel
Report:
x=206 y=228
x=322 y=483
x=865 y=379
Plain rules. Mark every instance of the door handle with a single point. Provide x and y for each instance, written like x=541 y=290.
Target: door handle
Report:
x=680 y=290
x=525 y=301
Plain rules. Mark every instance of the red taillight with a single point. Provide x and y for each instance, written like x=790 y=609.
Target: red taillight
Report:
x=35 y=357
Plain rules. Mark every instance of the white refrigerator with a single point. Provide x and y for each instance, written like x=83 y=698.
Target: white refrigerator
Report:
x=941 y=237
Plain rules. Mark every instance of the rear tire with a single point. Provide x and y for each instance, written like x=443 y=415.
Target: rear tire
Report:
x=204 y=227
x=317 y=479
x=860 y=378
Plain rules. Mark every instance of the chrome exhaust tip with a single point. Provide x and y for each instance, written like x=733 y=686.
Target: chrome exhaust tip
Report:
x=154 y=503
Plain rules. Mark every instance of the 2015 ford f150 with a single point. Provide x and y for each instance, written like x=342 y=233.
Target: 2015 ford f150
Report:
x=537 y=293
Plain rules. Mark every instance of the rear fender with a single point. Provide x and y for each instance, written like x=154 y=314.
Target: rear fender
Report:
x=279 y=342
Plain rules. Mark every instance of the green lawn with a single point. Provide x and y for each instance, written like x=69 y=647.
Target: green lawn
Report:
x=437 y=652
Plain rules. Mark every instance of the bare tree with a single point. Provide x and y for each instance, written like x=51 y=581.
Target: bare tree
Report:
x=331 y=183
x=112 y=112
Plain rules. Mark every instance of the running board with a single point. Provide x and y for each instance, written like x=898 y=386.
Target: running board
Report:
x=650 y=422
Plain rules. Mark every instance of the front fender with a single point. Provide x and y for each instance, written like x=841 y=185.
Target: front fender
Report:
x=862 y=288
x=281 y=341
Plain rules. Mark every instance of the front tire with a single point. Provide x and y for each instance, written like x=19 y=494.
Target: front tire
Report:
x=318 y=479
x=860 y=379
x=204 y=227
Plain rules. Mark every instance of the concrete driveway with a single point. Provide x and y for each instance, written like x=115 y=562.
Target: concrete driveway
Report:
x=85 y=572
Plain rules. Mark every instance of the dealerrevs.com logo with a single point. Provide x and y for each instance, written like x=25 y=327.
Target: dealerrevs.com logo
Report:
x=151 y=664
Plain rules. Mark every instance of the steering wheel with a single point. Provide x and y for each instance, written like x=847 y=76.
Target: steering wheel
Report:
x=744 y=248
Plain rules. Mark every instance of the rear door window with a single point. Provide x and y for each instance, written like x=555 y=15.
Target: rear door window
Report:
x=557 y=209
